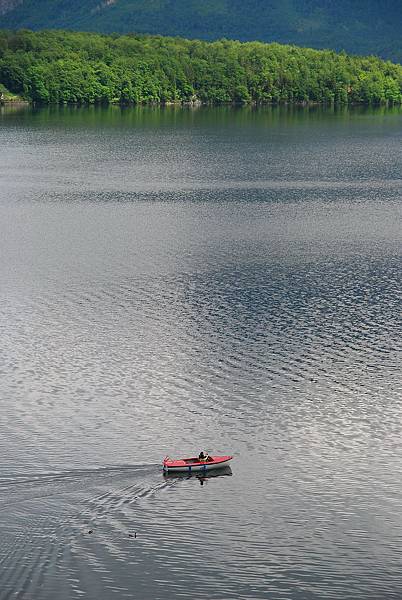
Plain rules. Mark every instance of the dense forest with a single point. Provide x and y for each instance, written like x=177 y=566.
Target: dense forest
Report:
x=67 y=67
x=356 y=26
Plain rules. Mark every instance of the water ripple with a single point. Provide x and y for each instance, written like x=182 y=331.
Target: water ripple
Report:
x=247 y=303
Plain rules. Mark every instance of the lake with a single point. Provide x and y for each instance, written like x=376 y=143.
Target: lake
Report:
x=182 y=279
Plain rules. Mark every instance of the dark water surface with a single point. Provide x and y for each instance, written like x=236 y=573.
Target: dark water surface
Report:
x=224 y=279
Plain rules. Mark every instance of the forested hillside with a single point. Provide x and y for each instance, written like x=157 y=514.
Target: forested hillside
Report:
x=357 y=26
x=58 y=66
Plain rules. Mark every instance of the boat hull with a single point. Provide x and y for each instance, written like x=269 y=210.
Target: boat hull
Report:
x=185 y=466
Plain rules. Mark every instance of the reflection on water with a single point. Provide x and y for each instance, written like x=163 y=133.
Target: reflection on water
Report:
x=223 y=279
x=202 y=477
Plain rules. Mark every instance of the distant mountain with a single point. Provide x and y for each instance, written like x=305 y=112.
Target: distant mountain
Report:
x=7 y=6
x=357 y=26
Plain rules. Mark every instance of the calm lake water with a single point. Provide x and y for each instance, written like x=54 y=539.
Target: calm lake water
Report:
x=176 y=280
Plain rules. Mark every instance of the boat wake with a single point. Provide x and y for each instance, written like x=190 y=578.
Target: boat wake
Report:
x=52 y=515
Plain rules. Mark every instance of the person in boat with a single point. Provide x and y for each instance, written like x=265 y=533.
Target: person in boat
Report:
x=203 y=457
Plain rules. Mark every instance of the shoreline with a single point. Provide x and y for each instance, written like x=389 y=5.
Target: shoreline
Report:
x=307 y=104
x=15 y=103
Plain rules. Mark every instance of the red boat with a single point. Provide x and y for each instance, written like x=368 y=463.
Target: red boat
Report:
x=193 y=464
